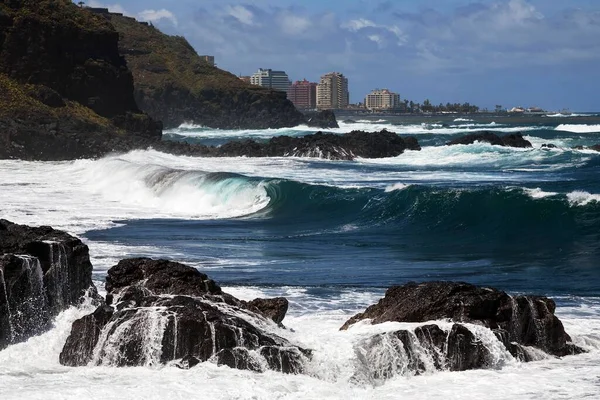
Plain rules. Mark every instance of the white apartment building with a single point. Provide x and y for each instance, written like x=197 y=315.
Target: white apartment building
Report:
x=332 y=92
x=268 y=78
x=382 y=99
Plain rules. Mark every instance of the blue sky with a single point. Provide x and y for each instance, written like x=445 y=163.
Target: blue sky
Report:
x=542 y=53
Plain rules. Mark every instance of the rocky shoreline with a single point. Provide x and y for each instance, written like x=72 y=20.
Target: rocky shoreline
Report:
x=162 y=312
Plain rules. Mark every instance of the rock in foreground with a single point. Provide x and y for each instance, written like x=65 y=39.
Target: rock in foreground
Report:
x=511 y=140
x=42 y=272
x=518 y=323
x=160 y=311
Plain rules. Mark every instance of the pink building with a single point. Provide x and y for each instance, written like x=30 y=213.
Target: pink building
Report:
x=303 y=94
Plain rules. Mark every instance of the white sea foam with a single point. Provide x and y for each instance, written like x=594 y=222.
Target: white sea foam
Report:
x=582 y=198
x=463 y=120
x=193 y=194
x=31 y=370
x=362 y=125
x=396 y=186
x=567 y=115
x=538 y=193
x=479 y=154
x=574 y=128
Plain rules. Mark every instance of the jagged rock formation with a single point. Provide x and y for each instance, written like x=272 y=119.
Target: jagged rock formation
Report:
x=518 y=323
x=174 y=85
x=510 y=140
x=66 y=91
x=42 y=272
x=323 y=145
x=160 y=311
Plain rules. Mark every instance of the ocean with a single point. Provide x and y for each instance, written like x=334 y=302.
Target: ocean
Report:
x=331 y=236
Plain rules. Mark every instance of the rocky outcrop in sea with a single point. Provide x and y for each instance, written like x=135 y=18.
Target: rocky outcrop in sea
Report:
x=159 y=311
x=510 y=140
x=322 y=145
x=523 y=325
x=43 y=271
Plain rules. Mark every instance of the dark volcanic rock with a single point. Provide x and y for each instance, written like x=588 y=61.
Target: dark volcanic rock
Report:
x=323 y=119
x=42 y=272
x=325 y=145
x=524 y=320
x=66 y=91
x=159 y=277
x=274 y=309
x=516 y=140
x=548 y=146
x=166 y=311
x=426 y=349
x=79 y=347
x=511 y=140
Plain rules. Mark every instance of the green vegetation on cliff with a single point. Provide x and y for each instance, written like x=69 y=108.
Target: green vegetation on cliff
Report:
x=173 y=84
x=66 y=90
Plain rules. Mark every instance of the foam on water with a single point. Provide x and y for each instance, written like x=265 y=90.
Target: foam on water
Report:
x=186 y=193
x=582 y=198
x=31 y=369
x=344 y=127
x=538 y=193
x=578 y=128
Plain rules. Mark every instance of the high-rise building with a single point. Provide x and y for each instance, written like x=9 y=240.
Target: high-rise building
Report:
x=303 y=94
x=382 y=99
x=277 y=80
x=332 y=92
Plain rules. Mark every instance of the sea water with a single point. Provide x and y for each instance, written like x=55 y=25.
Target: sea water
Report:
x=331 y=236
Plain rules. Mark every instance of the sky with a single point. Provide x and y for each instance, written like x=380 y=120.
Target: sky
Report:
x=543 y=53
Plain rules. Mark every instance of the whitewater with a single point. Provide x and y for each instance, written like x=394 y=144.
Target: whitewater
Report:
x=331 y=236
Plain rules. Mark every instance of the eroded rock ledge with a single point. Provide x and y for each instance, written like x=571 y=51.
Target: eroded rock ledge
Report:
x=524 y=325
x=323 y=145
x=510 y=140
x=43 y=271
x=160 y=311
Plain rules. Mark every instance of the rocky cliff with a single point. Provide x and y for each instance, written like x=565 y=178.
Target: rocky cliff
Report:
x=174 y=85
x=67 y=92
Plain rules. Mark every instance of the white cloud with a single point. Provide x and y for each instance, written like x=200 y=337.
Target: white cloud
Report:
x=241 y=13
x=293 y=24
x=156 y=15
x=357 y=25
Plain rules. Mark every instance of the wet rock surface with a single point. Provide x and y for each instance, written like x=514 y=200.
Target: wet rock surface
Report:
x=324 y=119
x=326 y=145
x=517 y=322
x=165 y=311
x=510 y=140
x=43 y=271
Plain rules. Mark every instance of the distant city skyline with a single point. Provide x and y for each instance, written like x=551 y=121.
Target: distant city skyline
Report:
x=512 y=52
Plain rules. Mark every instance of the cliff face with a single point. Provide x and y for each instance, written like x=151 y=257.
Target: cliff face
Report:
x=67 y=92
x=174 y=85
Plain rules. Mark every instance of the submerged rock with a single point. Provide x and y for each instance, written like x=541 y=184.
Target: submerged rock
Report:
x=510 y=140
x=166 y=311
x=43 y=271
x=517 y=322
